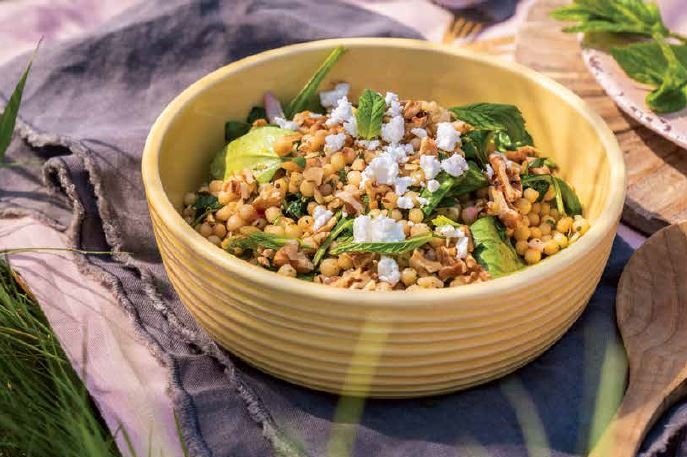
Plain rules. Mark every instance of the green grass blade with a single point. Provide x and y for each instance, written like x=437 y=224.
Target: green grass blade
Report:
x=8 y=118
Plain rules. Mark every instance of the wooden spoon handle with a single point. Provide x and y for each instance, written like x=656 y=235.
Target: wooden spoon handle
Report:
x=641 y=407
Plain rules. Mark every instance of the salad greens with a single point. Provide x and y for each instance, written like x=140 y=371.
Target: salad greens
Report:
x=449 y=186
x=567 y=201
x=492 y=249
x=254 y=151
x=307 y=97
x=205 y=204
x=505 y=121
x=262 y=240
x=476 y=146
x=386 y=248
x=371 y=108
x=295 y=206
x=342 y=227
x=649 y=57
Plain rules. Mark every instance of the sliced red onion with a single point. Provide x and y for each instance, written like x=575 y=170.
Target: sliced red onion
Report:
x=272 y=107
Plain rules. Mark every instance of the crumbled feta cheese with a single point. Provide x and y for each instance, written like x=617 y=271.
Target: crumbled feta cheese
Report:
x=405 y=203
x=383 y=170
x=402 y=184
x=433 y=185
x=430 y=165
x=321 y=216
x=419 y=132
x=342 y=113
x=449 y=231
x=381 y=229
x=447 y=136
x=398 y=151
x=393 y=131
x=333 y=143
x=462 y=247
x=490 y=172
x=388 y=271
x=329 y=98
x=454 y=165
x=314 y=115
x=351 y=127
x=422 y=201
x=370 y=145
x=393 y=104
x=285 y=124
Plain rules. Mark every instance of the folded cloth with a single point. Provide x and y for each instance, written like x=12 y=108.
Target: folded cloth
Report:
x=88 y=107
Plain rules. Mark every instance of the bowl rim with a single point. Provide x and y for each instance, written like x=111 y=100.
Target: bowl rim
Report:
x=290 y=287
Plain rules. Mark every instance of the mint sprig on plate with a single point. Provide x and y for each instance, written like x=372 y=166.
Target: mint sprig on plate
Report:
x=649 y=56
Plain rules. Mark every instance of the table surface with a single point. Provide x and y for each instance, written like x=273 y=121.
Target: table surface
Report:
x=84 y=313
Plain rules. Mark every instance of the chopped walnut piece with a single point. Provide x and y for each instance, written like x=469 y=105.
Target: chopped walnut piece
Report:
x=500 y=207
x=505 y=179
x=289 y=254
x=422 y=264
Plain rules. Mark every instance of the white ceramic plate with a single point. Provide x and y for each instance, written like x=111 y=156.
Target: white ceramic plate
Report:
x=629 y=94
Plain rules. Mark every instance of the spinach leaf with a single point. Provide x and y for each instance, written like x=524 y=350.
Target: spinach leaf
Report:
x=307 y=97
x=505 y=121
x=371 y=108
x=295 y=206
x=670 y=95
x=390 y=248
x=476 y=146
x=449 y=186
x=262 y=240
x=492 y=249
x=344 y=225
x=205 y=204
x=235 y=129
x=8 y=118
x=567 y=201
x=256 y=112
x=615 y=16
x=254 y=151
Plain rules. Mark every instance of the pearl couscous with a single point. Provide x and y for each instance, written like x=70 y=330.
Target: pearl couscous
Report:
x=386 y=193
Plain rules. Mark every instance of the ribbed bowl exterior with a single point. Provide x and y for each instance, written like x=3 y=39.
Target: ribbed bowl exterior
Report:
x=380 y=344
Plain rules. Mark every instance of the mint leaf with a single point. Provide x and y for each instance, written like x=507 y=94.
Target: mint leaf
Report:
x=307 y=97
x=492 y=251
x=450 y=186
x=8 y=118
x=670 y=95
x=505 y=120
x=391 y=248
x=614 y=16
x=235 y=129
x=567 y=201
x=205 y=204
x=476 y=144
x=371 y=108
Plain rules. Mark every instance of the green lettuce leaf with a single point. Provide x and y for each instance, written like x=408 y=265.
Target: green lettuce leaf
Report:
x=254 y=151
x=371 y=108
x=492 y=249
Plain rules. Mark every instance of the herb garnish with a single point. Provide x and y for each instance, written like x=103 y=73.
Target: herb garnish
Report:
x=450 y=186
x=262 y=240
x=371 y=108
x=653 y=62
x=387 y=248
x=307 y=97
x=567 y=201
x=205 y=204
x=492 y=248
x=341 y=227
x=295 y=205
x=505 y=121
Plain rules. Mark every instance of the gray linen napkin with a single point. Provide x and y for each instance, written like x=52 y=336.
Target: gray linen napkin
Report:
x=88 y=107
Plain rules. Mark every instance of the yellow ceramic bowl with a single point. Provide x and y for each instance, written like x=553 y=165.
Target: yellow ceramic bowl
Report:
x=382 y=344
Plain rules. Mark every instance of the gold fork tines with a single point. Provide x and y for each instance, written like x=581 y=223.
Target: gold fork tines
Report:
x=463 y=29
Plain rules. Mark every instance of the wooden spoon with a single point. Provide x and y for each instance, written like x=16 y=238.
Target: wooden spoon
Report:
x=652 y=317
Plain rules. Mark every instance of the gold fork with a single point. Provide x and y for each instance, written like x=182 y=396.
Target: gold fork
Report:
x=462 y=28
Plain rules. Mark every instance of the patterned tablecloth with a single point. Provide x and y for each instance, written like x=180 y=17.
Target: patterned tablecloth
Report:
x=125 y=380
